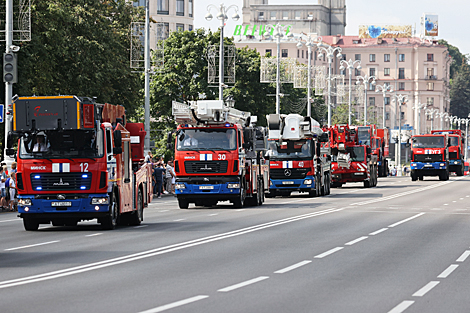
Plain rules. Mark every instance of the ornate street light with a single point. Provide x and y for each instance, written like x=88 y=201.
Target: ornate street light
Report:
x=310 y=42
x=432 y=113
x=330 y=54
x=400 y=99
x=350 y=66
x=384 y=89
x=222 y=16
x=443 y=115
x=418 y=106
x=366 y=80
x=277 y=31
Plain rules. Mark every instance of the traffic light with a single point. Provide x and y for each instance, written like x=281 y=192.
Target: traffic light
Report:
x=9 y=68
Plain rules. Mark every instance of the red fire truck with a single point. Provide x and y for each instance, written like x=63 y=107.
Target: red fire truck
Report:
x=383 y=144
x=429 y=156
x=218 y=155
x=352 y=159
x=78 y=160
x=456 y=150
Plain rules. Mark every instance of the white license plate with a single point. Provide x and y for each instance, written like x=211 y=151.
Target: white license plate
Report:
x=287 y=182
x=427 y=165
x=63 y=203
x=206 y=187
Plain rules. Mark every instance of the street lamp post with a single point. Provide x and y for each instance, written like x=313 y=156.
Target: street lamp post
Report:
x=277 y=31
x=401 y=99
x=330 y=54
x=432 y=113
x=443 y=115
x=222 y=17
x=418 y=106
x=366 y=79
x=384 y=89
x=350 y=66
x=310 y=42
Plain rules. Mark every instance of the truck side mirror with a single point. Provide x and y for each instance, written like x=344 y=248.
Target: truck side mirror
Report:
x=10 y=139
x=369 y=150
x=117 y=142
x=324 y=137
x=169 y=141
x=10 y=152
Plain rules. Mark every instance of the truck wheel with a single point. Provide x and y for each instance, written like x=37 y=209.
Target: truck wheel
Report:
x=366 y=183
x=240 y=201
x=30 y=224
x=414 y=176
x=183 y=204
x=109 y=222
x=312 y=193
x=336 y=185
x=328 y=185
x=442 y=176
x=138 y=216
x=459 y=171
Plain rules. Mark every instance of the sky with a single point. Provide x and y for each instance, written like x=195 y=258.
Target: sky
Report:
x=452 y=15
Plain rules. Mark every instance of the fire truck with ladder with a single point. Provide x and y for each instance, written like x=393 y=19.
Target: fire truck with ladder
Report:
x=456 y=150
x=297 y=160
x=78 y=160
x=352 y=157
x=219 y=155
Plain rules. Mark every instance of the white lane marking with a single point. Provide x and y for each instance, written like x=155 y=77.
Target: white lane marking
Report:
x=292 y=267
x=445 y=204
x=161 y=211
x=401 y=307
x=175 y=304
x=92 y=235
x=240 y=210
x=378 y=231
x=157 y=251
x=406 y=220
x=35 y=245
x=464 y=256
x=179 y=220
x=214 y=214
x=454 y=201
x=448 y=271
x=140 y=226
x=425 y=289
x=461 y=199
x=17 y=219
x=356 y=240
x=243 y=284
x=327 y=253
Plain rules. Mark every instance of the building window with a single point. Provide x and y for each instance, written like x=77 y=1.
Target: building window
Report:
x=298 y=15
x=269 y=52
x=298 y=53
x=430 y=73
x=272 y=15
x=386 y=84
x=190 y=9
x=430 y=57
x=162 y=7
x=190 y=27
x=401 y=86
x=372 y=71
x=285 y=53
x=179 y=27
x=387 y=116
x=302 y=54
x=430 y=86
x=357 y=72
x=285 y=15
x=139 y=3
x=386 y=71
x=261 y=15
x=372 y=101
x=386 y=57
x=401 y=58
x=179 y=8
x=402 y=116
x=371 y=86
x=371 y=57
x=401 y=73
x=343 y=57
x=430 y=101
x=387 y=100
x=357 y=57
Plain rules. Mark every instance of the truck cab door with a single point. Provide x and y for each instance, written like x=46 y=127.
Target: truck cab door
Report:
x=110 y=159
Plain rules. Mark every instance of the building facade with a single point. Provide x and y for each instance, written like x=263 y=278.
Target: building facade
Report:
x=414 y=68
x=328 y=17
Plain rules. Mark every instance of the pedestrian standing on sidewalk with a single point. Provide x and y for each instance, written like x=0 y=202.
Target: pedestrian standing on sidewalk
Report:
x=158 y=176
x=12 y=190
x=170 y=174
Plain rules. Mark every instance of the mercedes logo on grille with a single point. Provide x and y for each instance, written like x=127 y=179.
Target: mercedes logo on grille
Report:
x=287 y=172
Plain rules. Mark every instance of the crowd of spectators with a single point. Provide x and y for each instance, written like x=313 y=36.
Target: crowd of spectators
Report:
x=163 y=178
x=8 y=187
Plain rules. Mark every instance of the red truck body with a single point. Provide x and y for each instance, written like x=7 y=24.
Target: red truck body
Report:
x=456 y=149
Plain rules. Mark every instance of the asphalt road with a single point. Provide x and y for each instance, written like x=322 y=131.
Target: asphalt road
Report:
x=400 y=247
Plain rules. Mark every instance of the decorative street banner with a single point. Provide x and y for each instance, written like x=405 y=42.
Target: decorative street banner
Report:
x=431 y=28
x=253 y=30
x=385 y=31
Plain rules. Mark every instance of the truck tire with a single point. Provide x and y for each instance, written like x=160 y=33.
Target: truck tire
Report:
x=30 y=224
x=109 y=222
x=183 y=204
x=328 y=184
x=414 y=176
x=367 y=184
x=240 y=201
x=459 y=171
x=443 y=176
x=138 y=216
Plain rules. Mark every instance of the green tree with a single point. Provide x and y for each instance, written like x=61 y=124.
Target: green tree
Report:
x=460 y=93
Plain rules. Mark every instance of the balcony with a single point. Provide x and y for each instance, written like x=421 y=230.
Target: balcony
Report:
x=430 y=77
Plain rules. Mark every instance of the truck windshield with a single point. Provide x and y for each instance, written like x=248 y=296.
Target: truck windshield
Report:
x=62 y=144
x=363 y=135
x=206 y=139
x=357 y=154
x=428 y=142
x=290 y=149
x=454 y=141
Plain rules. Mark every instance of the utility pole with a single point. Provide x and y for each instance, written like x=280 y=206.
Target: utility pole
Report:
x=147 y=78
x=8 y=85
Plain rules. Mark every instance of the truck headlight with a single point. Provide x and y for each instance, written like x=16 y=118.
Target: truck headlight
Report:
x=308 y=182
x=180 y=186
x=101 y=200
x=413 y=164
x=233 y=186
x=455 y=162
x=442 y=164
x=25 y=201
